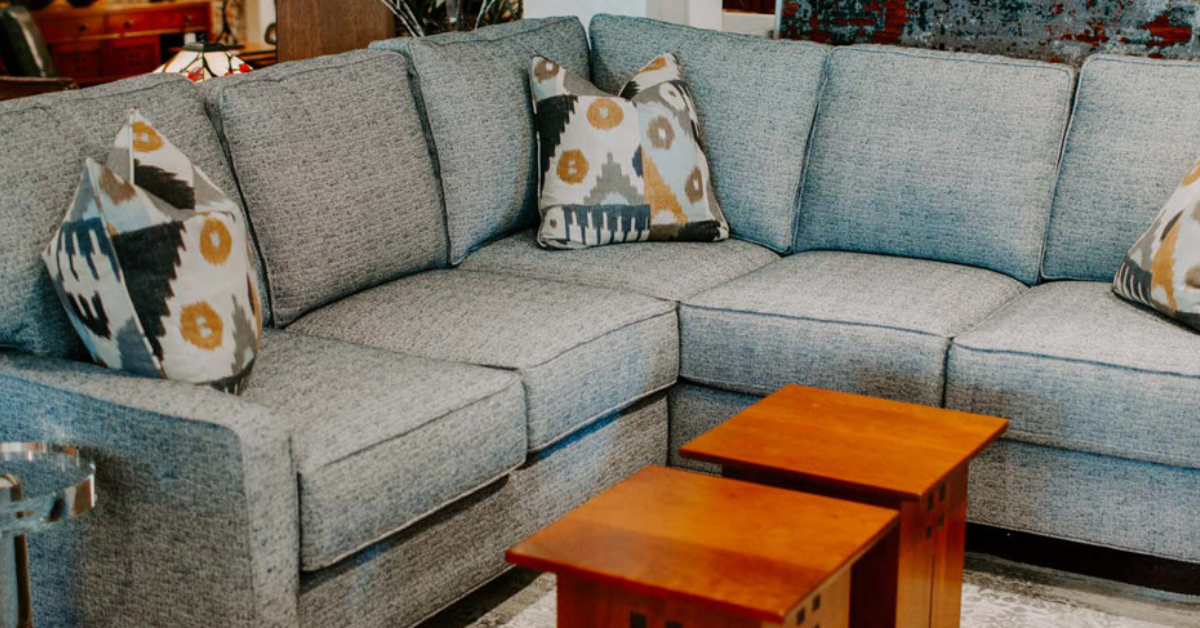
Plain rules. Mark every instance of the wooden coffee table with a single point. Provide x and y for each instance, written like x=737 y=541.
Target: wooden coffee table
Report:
x=904 y=456
x=674 y=549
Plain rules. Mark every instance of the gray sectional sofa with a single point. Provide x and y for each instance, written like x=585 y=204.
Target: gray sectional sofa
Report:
x=932 y=227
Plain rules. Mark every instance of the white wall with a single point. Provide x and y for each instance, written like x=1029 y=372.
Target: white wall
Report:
x=259 y=14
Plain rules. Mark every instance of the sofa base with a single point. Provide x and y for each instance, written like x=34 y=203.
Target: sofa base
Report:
x=1025 y=548
x=414 y=574
x=1118 y=503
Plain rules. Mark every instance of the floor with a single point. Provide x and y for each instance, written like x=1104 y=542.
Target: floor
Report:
x=996 y=594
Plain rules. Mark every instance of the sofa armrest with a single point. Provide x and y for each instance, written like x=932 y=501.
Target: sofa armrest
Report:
x=196 y=521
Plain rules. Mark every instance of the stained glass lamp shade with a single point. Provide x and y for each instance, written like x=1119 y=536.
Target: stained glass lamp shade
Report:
x=203 y=61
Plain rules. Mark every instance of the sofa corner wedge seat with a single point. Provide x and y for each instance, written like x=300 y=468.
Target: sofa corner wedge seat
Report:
x=433 y=387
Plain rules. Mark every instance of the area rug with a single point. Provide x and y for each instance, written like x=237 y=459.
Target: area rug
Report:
x=996 y=594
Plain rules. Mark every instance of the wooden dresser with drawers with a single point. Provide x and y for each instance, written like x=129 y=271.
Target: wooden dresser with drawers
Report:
x=109 y=41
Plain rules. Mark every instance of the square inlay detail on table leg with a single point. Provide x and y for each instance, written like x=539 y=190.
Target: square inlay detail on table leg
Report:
x=586 y=604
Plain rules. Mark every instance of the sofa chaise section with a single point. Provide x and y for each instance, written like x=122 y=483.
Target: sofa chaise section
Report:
x=1105 y=446
x=582 y=352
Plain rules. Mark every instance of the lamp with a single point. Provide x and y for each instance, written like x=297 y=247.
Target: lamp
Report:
x=200 y=61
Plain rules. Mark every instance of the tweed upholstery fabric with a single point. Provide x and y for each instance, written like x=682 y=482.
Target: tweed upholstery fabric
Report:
x=196 y=525
x=1133 y=134
x=696 y=409
x=582 y=352
x=475 y=93
x=935 y=155
x=868 y=324
x=1074 y=366
x=1098 y=500
x=46 y=140
x=437 y=561
x=621 y=168
x=153 y=266
x=671 y=271
x=755 y=137
x=335 y=173
x=381 y=439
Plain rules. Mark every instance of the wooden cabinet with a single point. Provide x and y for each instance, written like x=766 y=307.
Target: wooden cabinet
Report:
x=106 y=42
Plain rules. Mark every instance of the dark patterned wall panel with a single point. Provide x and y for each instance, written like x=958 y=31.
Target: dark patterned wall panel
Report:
x=1056 y=30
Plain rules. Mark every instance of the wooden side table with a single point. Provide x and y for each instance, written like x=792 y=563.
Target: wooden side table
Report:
x=674 y=549
x=908 y=457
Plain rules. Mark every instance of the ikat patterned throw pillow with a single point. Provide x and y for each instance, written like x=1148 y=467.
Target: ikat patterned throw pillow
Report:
x=626 y=168
x=154 y=267
x=1162 y=270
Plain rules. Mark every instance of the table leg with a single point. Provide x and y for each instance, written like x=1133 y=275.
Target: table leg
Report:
x=587 y=604
x=950 y=553
x=16 y=609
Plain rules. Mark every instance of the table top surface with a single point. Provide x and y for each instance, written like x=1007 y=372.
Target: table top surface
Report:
x=42 y=485
x=740 y=548
x=841 y=440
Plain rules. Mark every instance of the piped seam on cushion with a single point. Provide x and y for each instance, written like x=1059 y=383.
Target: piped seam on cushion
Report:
x=285 y=73
x=17 y=106
x=1087 y=446
x=1058 y=176
x=813 y=319
x=1062 y=153
x=602 y=415
x=317 y=565
x=1046 y=356
x=548 y=22
x=669 y=305
x=515 y=380
x=956 y=57
x=798 y=197
x=796 y=43
x=263 y=268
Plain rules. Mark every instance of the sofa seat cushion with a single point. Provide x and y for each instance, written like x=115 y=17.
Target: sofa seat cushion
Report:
x=582 y=352
x=1074 y=366
x=868 y=324
x=666 y=270
x=381 y=439
x=936 y=155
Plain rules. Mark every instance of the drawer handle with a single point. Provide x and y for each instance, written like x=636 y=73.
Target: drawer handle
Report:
x=82 y=27
x=187 y=19
x=128 y=23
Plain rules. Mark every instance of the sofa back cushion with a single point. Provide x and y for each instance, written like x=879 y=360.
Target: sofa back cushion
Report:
x=1134 y=134
x=475 y=91
x=943 y=156
x=335 y=172
x=755 y=99
x=46 y=140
